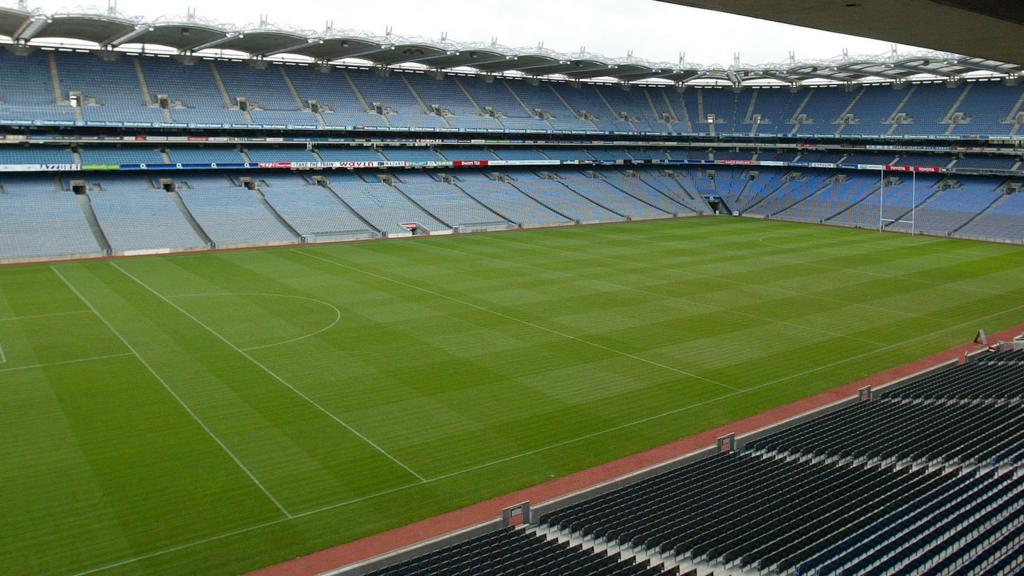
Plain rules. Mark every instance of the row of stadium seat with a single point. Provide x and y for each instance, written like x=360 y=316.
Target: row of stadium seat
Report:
x=285 y=208
x=120 y=88
x=311 y=210
x=962 y=525
x=39 y=222
x=134 y=221
x=137 y=213
x=904 y=483
x=450 y=205
x=943 y=431
x=516 y=552
x=1007 y=356
x=983 y=208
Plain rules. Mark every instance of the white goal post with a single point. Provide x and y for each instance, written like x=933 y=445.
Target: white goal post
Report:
x=882 y=220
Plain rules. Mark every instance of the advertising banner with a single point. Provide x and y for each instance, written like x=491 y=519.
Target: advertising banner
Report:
x=39 y=167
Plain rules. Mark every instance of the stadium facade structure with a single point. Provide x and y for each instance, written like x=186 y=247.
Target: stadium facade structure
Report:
x=119 y=151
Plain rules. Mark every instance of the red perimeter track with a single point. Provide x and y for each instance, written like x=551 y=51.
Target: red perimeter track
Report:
x=431 y=528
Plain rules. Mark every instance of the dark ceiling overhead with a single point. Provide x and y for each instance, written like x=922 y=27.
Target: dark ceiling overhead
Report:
x=987 y=29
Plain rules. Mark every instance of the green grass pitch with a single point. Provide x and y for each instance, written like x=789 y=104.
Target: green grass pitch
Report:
x=215 y=413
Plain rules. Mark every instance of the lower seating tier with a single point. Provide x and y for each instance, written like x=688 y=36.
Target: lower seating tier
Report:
x=341 y=205
x=40 y=222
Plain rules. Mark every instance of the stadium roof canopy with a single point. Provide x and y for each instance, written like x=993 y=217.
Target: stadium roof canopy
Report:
x=182 y=36
x=13 y=21
x=191 y=35
x=987 y=29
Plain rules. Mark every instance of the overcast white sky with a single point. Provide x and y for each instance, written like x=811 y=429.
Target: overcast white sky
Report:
x=652 y=30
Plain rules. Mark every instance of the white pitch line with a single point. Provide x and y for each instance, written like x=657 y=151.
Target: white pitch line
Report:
x=692 y=274
x=337 y=314
x=174 y=394
x=673 y=297
x=64 y=362
x=178 y=548
x=723 y=396
x=50 y=315
x=818 y=264
x=3 y=357
x=534 y=451
x=270 y=372
x=520 y=320
x=238 y=531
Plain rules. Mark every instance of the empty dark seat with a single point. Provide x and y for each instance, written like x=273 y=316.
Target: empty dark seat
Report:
x=516 y=552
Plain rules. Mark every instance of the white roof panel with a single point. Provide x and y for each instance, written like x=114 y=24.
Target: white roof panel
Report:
x=264 y=40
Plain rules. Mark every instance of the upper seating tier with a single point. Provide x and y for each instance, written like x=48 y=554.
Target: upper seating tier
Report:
x=114 y=86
